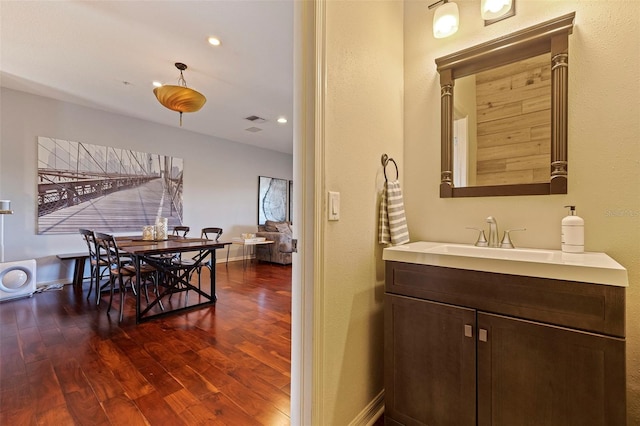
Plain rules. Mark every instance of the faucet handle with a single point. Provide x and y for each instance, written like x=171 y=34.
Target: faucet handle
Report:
x=506 y=240
x=482 y=240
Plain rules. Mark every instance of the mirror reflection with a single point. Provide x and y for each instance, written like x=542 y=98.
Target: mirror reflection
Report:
x=502 y=124
x=503 y=114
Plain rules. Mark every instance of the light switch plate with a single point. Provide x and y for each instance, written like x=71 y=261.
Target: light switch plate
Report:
x=334 y=205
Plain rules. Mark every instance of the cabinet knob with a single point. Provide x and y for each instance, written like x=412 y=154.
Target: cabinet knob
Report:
x=468 y=330
x=482 y=335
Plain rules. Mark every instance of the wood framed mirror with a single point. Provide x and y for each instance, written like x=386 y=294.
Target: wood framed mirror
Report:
x=516 y=118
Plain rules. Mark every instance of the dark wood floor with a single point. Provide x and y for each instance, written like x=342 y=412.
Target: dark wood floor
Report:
x=64 y=362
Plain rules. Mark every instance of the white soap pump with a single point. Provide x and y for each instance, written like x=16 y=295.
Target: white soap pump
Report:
x=572 y=232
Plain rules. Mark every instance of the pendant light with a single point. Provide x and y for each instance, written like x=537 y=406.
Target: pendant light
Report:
x=445 y=18
x=180 y=98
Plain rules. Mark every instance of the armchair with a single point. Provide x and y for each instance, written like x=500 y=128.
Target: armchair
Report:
x=280 y=250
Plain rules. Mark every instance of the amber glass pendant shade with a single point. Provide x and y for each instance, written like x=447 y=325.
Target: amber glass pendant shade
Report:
x=180 y=98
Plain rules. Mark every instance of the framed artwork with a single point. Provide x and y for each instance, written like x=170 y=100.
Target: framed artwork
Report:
x=272 y=199
x=107 y=189
x=291 y=201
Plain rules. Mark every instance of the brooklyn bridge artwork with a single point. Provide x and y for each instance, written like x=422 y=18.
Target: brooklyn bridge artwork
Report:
x=104 y=188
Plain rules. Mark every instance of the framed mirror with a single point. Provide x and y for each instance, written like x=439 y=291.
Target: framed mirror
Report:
x=504 y=114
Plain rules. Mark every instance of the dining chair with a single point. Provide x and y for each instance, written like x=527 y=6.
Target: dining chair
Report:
x=211 y=233
x=97 y=261
x=208 y=233
x=178 y=261
x=181 y=231
x=178 y=231
x=122 y=272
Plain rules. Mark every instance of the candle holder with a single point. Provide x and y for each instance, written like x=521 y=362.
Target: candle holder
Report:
x=149 y=233
x=162 y=228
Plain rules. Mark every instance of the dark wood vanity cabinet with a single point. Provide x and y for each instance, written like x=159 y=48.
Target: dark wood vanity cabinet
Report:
x=432 y=376
x=476 y=348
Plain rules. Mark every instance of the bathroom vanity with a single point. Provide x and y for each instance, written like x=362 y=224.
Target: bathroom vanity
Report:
x=480 y=336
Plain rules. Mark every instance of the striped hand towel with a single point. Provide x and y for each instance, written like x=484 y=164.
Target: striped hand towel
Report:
x=393 y=223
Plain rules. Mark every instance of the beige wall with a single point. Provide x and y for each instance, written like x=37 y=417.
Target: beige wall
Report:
x=604 y=148
x=363 y=120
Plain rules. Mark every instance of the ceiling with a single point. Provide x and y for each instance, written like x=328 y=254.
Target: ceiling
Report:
x=106 y=54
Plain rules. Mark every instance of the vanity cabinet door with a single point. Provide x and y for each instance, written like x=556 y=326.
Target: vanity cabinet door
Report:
x=536 y=374
x=430 y=363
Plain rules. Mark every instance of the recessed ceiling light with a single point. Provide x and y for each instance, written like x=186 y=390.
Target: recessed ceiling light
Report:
x=157 y=84
x=214 y=41
x=282 y=120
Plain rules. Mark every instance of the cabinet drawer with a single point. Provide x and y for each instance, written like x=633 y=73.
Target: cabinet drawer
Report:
x=583 y=306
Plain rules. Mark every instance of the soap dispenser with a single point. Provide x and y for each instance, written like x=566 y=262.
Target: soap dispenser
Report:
x=572 y=232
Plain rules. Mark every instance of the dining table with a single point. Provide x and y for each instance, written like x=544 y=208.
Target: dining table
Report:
x=173 y=277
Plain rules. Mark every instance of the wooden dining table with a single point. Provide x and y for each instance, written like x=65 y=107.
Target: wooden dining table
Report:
x=174 y=278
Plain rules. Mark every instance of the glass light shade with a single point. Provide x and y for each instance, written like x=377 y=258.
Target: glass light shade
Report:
x=178 y=98
x=493 y=9
x=445 y=20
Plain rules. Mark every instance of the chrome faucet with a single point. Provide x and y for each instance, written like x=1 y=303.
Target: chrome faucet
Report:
x=493 y=231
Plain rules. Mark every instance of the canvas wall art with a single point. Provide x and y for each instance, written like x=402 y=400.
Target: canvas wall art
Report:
x=272 y=199
x=291 y=201
x=103 y=188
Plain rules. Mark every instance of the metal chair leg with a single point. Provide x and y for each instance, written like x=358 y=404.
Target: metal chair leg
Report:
x=91 y=281
x=123 y=292
x=111 y=285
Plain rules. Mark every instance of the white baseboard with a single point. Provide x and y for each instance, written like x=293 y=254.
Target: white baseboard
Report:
x=371 y=412
x=223 y=259
x=54 y=282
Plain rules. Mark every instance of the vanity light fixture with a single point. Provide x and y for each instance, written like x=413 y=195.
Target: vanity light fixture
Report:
x=180 y=98
x=445 y=18
x=497 y=10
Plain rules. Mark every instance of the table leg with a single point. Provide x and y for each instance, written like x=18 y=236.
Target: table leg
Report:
x=138 y=288
x=78 y=272
x=244 y=256
x=212 y=276
x=228 y=247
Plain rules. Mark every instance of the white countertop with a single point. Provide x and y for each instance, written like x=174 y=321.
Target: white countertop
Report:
x=589 y=267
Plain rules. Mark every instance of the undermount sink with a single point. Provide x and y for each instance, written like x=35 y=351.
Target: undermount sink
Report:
x=590 y=267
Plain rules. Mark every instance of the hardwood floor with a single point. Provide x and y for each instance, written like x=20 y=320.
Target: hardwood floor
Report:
x=65 y=362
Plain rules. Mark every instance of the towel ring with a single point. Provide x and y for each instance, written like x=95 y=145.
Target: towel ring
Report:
x=385 y=160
